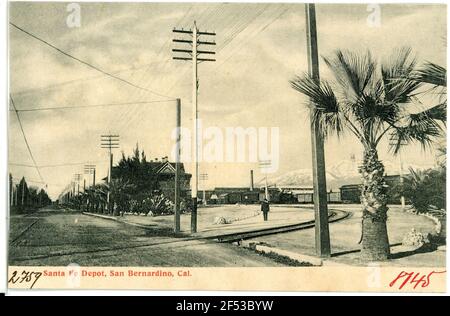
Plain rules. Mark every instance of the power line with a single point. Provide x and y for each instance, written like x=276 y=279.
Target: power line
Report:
x=89 y=106
x=131 y=113
x=25 y=138
x=39 y=182
x=54 y=165
x=241 y=26
x=86 y=63
x=128 y=114
x=236 y=28
x=247 y=40
x=80 y=80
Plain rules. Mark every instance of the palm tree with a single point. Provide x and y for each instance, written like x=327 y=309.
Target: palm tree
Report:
x=98 y=196
x=371 y=101
x=119 y=194
x=434 y=75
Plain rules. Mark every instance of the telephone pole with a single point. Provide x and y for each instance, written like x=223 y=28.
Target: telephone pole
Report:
x=192 y=53
x=11 y=191
x=318 y=155
x=264 y=165
x=77 y=179
x=23 y=192
x=15 y=195
x=90 y=169
x=393 y=140
x=204 y=178
x=177 y=170
x=109 y=142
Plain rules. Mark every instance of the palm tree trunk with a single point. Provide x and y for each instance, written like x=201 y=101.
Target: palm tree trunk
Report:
x=375 y=242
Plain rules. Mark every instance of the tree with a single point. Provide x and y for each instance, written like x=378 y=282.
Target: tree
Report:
x=94 y=198
x=119 y=194
x=371 y=101
x=138 y=172
x=435 y=77
x=426 y=189
x=22 y=193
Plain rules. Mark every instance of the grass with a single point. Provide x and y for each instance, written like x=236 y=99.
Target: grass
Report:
x=284 y=259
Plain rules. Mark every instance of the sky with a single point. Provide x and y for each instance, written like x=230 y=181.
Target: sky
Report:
x=260 y=47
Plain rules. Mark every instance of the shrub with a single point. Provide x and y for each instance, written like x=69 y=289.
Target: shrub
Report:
x=158 y=204
x=426 y=189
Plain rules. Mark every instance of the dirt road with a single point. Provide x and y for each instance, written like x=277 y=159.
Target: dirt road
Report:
x=62 y=237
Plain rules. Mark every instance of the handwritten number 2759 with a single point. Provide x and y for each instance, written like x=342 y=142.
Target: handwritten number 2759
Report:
x=25 y=276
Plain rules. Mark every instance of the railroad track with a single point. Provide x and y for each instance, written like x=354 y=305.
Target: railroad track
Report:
x=16 y=240
x=334 y=215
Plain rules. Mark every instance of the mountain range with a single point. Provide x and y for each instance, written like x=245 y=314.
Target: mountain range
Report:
x=344 y=172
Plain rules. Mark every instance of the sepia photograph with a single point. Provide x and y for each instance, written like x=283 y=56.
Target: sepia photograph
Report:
x=159 y=144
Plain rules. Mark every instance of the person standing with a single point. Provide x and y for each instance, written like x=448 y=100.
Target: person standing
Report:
x=265 y=208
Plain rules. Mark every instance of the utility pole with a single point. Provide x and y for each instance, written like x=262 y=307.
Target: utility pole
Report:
x=23 y=192
x=193 y=54
x=77 y=179
x=204 y=178
x=109 y=142
x=11 y=191
x=393 y=140
x=16 y=188
x=318 y=155
x=177 y=170
x=264 y=165
x=402 y=197
x=90 y=169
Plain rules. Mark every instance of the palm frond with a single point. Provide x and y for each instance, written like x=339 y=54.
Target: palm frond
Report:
x=436 y=113
x=354 y=72
x=431 y=73
x=396 y=73
x=419 y=128
x=323 y=104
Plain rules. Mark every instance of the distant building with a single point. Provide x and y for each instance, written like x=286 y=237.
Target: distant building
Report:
x=351 y=193
x=166 y=178
x=165 y=172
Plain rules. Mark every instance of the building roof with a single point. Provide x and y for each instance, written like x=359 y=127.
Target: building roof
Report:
x=160 y=167
x=231 y=189
x=350 y=186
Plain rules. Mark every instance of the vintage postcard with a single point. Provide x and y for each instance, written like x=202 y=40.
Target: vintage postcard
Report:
x=227 y=146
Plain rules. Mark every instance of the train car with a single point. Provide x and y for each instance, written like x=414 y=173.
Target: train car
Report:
x=274 y=195
x=234 y=197
x=222 y=198
x=287 y=198
x=350 y=193
x=334 y=197
x=305 y=197
x=250 y=197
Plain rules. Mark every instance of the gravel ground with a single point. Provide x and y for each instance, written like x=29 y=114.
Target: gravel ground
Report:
x=60 y=238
